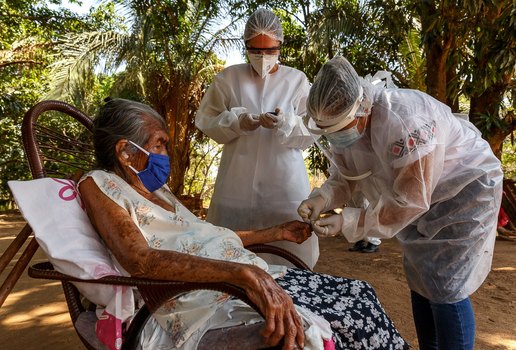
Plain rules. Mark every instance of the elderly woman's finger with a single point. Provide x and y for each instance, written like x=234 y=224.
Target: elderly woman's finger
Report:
x=290 y=335
x=270 y=326
x=300 y=335
x=295 y=337
x=279 y=332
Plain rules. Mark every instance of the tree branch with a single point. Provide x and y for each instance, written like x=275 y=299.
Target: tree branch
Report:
x=29 y=62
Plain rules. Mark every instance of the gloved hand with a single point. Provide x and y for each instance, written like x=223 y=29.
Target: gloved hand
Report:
x=272 y=121
x=328 y=226
x=311 y=208
x=248 y=121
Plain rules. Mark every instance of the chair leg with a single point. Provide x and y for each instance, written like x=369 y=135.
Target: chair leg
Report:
x=14 y=247
x=17 y=270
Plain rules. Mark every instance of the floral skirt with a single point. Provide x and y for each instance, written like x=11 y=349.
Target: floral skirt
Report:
x=350 y=306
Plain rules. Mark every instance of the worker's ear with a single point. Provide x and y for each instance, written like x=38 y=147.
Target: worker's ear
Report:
x=121 y=152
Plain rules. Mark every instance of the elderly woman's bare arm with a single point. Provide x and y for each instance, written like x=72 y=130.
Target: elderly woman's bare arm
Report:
x=293 y=231
x=127 y=244
x=125 y=241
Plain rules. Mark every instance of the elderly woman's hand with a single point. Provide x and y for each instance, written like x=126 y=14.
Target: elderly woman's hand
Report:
x=294 y=231
x=281 y=317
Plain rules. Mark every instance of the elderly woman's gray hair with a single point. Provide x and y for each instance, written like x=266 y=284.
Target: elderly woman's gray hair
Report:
x=121 y=119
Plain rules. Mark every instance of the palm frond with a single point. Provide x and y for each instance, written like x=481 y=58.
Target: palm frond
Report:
x=80 y=53
x=412 y=61
x=334 y=27
x=214 y=32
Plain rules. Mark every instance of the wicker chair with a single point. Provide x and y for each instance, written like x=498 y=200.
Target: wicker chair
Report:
x=57 y=152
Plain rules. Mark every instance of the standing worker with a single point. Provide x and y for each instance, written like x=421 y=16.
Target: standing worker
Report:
x=430 y=180
x=256 y=111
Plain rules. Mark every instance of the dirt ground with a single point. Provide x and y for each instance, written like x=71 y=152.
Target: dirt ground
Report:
x=35 y=316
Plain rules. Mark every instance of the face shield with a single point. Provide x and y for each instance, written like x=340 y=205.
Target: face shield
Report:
x=328 y=126
x=330 y=134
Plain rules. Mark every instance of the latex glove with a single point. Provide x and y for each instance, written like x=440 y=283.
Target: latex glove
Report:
x=248 y=121
x=311 y=208
x=271 y=120
x=328 y=226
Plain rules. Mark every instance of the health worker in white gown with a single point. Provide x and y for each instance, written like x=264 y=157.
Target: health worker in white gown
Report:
x=255 y=110
x=430 y=179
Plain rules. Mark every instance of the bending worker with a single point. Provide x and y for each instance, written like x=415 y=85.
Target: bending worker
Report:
x=430 y=180
x=255 y=110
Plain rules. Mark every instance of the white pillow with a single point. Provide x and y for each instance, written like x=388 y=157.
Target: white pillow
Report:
x=54 y=210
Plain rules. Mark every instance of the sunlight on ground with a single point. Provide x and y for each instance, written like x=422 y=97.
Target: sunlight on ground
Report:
x=50 y=314
x=15 y=297
x=498 y=340
x=6 y=238
x=505 y=269
x=10 y=225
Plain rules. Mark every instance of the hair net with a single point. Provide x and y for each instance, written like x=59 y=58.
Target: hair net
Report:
x=265 y=22
x=335 y=94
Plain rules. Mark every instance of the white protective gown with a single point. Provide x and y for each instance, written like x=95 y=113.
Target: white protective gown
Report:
x=435 y=184
x=262 y=177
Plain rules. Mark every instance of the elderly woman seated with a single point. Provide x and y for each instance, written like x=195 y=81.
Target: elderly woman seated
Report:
x=151 y=235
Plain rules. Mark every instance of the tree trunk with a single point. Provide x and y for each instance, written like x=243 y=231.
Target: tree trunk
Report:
x=174 y=106
x=436 y=71
x=452 y=94
x=179 y=127
x=437 y=50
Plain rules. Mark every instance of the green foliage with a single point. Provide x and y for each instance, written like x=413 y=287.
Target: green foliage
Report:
x=166 y=57
x=294 y=40
x=202 y=171
x=316 y=161
x=491 y=38
x=412 y=64
x=488 y=123
x=165 y=53
x=509 y=159
x=29 y=31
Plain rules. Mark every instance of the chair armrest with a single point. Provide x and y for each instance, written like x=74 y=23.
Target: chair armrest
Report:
x=285 y=254
x=153 y=292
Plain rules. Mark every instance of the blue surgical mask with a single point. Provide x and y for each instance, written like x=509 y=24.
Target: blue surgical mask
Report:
x=345 y=138
x=155 y=175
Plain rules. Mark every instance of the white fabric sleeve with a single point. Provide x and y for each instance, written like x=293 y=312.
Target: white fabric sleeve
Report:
x=293 y=132
x=213 y=116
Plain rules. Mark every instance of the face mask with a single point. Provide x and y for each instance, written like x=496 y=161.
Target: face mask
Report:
x=156 y=173
x=345 y=138
x=262 y=64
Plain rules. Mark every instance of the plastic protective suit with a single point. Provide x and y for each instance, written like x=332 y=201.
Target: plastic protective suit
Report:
x=262 y=177
x=435 y=184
